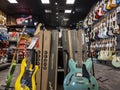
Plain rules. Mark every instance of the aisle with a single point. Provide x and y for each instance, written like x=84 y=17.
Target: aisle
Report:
x=108 y=77
x=3 y=75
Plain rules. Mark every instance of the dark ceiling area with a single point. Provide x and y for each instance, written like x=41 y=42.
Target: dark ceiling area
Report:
x=56 y=17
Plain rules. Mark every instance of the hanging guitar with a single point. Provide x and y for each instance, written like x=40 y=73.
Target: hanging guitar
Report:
x=116 y=57
x=79 y=77
x=21 y=20
x=13 y=64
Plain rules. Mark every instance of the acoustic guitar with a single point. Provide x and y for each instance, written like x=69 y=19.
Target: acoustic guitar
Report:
x=21 y=20
x=79 y=77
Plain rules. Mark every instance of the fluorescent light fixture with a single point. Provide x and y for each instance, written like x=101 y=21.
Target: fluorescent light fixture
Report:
x=57 y=13
x=56 y=3
x=48 y=11
x=68 y=11
x=65 y=19
x=12 y=1
x=45 y=1
x=70 y=1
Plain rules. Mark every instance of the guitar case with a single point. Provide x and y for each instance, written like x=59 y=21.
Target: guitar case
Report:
x=46 y=57
x=53 y=62
x=65 y=45
x=39 y=61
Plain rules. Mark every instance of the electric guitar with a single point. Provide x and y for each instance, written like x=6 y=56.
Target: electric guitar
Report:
x=105 y=4
x=79 y=77
x=26 y=78
x=108 y=5
x=116 y=57
x=13 y=64
x=116 y=61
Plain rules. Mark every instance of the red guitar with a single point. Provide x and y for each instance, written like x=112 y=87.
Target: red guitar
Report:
x=21 y=20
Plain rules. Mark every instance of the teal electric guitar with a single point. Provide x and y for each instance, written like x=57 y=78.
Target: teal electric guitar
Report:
x=79 y=77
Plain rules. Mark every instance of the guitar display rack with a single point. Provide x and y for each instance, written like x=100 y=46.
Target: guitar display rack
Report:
x=107 y=21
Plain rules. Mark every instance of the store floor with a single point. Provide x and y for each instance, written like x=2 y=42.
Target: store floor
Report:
x=108 y=77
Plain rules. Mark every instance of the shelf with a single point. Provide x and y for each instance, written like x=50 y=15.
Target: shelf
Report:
x=21 y=26
x=5 y=65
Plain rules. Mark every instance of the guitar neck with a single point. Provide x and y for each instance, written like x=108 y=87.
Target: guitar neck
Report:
x=79 y=34
x=70 y=44
x=24 y=28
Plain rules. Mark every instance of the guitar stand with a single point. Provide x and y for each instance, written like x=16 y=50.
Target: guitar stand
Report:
x=93 y=69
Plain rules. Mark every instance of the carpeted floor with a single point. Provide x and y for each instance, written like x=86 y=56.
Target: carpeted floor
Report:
x=108 y=77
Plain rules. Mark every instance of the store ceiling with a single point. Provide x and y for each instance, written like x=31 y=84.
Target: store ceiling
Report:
x=26 y=7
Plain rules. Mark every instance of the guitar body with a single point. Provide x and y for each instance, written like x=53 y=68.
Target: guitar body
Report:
x=104 y=7
x=108 y=5
x=116 y=61
x=101 y=55
x=21 y=83
x=113 y=3
x=74 y=79
x=9 y=78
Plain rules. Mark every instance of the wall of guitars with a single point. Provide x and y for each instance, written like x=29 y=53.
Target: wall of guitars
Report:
x=102 y=26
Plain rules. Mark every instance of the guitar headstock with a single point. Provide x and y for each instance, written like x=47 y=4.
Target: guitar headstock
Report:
x=38 y=29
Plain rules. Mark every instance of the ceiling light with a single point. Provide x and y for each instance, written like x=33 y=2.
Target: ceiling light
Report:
x=70 y=1
x=57 y=13
x=65 y=19
x=45 y=1
x=48 y=11
x=12 y=1
x=67 y=11
x=73 y=12
x=56 y=3
x=56 y=17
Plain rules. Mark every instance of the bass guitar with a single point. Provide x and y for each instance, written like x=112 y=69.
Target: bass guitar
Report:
x=26 y=78
x=79 y=77
x=13 y=65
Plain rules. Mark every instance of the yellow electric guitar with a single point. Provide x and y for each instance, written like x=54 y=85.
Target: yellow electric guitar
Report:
x=26 y=78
